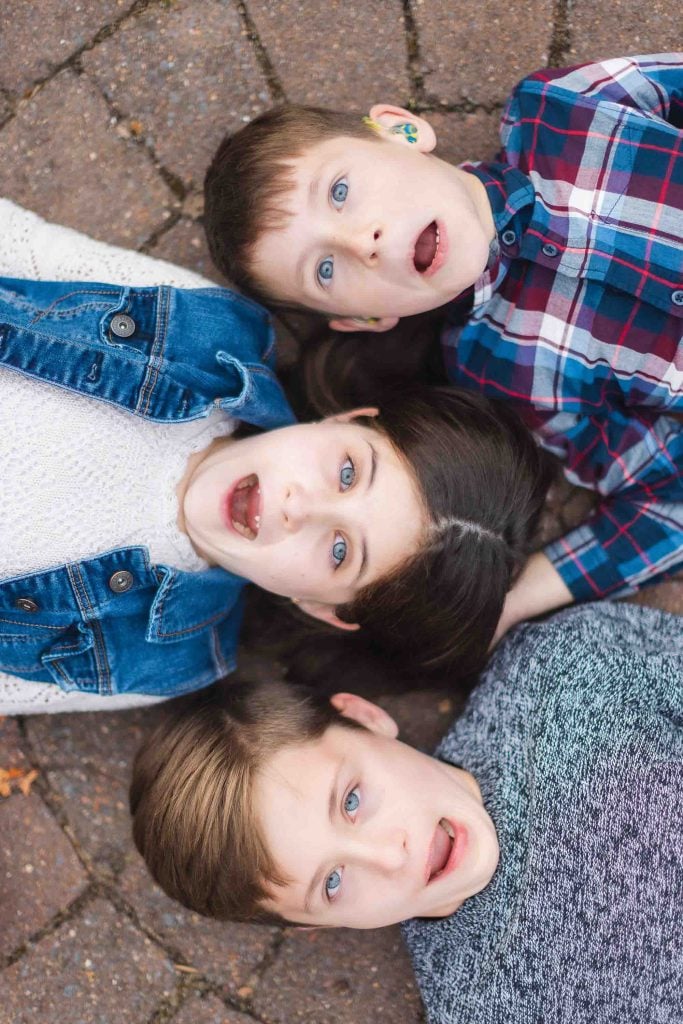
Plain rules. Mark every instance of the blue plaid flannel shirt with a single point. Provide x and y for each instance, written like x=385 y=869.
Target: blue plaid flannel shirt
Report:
x=578 y=320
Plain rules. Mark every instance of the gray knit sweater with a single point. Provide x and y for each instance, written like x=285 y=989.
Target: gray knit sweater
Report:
x=575 y=736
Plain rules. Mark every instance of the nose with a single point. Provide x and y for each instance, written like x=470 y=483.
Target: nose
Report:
x=303 y=504
x=364 y=242
x=385 y=850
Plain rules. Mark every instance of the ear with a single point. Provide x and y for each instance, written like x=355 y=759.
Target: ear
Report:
x=354 y=414
x=363 y=711
x=389 y=117
x=375 y=324
x=326 y=613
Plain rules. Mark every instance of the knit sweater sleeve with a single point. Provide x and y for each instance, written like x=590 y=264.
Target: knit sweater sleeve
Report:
x=575 y=735
x=35 y=249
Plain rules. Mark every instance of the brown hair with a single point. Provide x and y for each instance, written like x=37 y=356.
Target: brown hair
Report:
x=249 y=175
x=483 y=480
x=192 y=791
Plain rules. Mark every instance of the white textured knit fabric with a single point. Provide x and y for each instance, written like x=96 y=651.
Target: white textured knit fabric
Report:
x=80 y=477
x=32 y=248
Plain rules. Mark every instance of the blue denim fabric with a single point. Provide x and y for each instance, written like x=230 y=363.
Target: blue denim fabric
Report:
x=170 y=631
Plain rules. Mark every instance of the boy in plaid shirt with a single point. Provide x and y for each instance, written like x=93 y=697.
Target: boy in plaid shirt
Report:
x=561 y=264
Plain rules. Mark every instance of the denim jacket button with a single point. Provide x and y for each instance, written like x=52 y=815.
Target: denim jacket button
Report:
x=121 y=581
x=26 y=604
x=123 y=325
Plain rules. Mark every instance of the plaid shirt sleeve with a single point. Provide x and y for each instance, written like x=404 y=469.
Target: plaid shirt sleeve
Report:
x=652 y=83
x=635 y=462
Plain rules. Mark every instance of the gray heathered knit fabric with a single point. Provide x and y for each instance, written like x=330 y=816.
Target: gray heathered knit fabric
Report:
x=575 y=736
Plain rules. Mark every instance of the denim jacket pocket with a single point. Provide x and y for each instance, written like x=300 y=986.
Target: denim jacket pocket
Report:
x=49 y=653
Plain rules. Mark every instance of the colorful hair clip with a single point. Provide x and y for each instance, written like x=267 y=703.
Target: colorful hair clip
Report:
x=407 y=129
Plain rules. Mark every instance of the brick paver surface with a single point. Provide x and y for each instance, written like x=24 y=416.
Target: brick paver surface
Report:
x=109 y=113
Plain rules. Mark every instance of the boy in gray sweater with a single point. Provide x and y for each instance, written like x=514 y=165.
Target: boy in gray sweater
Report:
x=539 y=852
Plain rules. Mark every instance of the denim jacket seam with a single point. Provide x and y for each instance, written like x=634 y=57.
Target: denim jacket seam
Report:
x=78 y=291
x=30 y=625
x=153 y=369
x=187 y=629
x=88 y=613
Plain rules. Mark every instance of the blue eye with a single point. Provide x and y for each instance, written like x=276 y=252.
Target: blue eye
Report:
x=339 y=192
x=347 y=474
x=338 y=550
x=352 y=801
x=325 y=271
x=332 y=883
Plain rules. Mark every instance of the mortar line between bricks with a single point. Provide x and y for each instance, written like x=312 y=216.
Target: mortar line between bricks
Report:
x=174 y=184
x=415 y=73
x=137 y=8
x=271 y=76
x=200 y=980
x=68 y=913
x=54 y=802
x=560 y=39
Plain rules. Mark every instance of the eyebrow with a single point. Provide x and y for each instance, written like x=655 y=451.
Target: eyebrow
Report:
x=332 y=805
x=371 y=480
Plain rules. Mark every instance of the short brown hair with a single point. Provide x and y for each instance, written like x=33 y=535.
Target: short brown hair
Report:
x=251 y=172
x=192 y=792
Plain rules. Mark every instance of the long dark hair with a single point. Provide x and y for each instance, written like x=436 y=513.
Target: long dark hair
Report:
x=483 y=480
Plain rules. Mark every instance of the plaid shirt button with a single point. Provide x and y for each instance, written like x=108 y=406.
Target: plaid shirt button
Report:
x=677 y=297
x=549 y=249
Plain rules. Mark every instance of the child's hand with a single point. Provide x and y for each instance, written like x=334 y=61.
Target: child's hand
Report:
x=538 y=589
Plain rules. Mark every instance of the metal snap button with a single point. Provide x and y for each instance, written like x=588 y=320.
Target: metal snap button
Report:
x=508 y=237
x=123 y=325
x=549 y=249
x=121 y=581
x=677 y=297
x=26 y=604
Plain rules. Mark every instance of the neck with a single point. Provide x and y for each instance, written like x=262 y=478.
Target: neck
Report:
x=191 y=467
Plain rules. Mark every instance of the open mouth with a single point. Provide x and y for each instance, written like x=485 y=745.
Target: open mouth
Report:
x=426 y=248
x=440 y=850
x=244 y=507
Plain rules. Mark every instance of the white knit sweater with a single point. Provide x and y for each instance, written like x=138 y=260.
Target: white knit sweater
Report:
x=32 y=248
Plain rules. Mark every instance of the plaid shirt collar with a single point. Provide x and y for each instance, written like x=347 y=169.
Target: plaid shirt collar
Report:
x=511 y=195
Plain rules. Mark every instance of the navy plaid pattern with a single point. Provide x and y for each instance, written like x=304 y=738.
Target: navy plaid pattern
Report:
x=579 y=320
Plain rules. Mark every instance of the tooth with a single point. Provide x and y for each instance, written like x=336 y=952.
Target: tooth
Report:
x=257 y=521
x=447 y=827
x=244 y=531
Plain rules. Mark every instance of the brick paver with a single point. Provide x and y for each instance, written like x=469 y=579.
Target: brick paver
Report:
x=209 y=1011
x=476 y=52
x=184 y=75
x=325 y=977
x=95 y=969
x=109 y=113
x=63 y=158
x=227 y=953
x=35 y=43
x=39 y=872
x=336 y=54
x=622 y=27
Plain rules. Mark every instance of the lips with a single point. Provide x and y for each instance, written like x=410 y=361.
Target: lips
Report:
x=426 y=248
x=244 y=507
x=440 y=850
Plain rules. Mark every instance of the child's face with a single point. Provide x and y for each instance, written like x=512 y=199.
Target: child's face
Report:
x=313 y=512
x=355 y=820
x=377 y=229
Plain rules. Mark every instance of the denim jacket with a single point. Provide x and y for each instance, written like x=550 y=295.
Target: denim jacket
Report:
x=116 y=622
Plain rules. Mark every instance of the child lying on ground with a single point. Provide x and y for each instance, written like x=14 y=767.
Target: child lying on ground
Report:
x=132 y=520
x=565 y=258
x=545 y=835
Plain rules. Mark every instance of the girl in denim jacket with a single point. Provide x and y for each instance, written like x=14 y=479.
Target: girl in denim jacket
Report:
x=131 y=520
